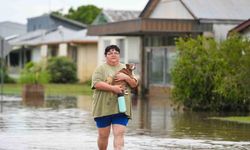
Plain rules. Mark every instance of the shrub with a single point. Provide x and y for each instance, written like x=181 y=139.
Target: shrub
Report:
x=62 y=70
x=34 y=73
x=232 y=79
x=212 y=76
x=6 y=77
x=3 y=73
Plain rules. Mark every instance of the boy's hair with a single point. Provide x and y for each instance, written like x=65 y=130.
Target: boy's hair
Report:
x=108 y=48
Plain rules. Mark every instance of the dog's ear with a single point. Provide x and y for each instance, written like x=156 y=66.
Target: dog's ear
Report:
x=128 y=66
x=132 y=66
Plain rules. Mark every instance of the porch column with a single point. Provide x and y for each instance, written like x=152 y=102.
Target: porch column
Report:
x=63 y=49
x=143 y=85
x=44 y=51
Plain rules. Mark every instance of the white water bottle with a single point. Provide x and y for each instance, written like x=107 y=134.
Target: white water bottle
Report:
x=121 y=103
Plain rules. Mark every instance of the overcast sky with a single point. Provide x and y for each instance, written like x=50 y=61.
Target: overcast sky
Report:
x=20 y=10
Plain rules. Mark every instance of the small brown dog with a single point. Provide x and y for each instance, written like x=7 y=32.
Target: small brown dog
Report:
x=128 y=71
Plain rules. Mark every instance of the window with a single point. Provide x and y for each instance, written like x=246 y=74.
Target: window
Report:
x=74 y=54
x=121 y=45
x=161 y=61
x=34 y=27
x=157 y=65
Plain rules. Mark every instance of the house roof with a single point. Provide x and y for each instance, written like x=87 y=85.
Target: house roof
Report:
x=77 y=23
x=6 y=47
x=58 y=35
x=64 y=19
x=204 y=13
x=120 y=15
x=29 y=36
x=209 y=9
x=10 y=29
x=150 y=6
x=108 y=16
x=241 y=27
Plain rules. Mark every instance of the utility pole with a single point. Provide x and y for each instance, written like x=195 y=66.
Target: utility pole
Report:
x=2 y=74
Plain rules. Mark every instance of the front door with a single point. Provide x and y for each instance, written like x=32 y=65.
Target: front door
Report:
x=160 y=61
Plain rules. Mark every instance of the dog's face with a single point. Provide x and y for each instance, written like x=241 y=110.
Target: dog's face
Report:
x=130 y=67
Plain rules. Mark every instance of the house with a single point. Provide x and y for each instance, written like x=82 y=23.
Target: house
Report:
x=161 y=21
x=9 y=30
x=52 y=21
x=5 y=48
x=129 y=45
x=243 y=28
x=68 y=39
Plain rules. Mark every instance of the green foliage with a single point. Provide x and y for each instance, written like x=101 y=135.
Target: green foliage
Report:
x=6 y=77
x=34 y=73
x=239 y=119
x=85 y=14
x=233 y=83
x=3 y=73
x=88 y=82
x=58 y=13
x=212 y=76
x=62 y=70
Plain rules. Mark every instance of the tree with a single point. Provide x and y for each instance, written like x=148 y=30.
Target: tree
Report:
x=85 y=14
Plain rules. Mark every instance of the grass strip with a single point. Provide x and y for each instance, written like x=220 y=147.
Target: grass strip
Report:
x=239 y=119
x=51 y=89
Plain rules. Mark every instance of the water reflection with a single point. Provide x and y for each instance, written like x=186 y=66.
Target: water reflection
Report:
x=53 y=102
x=155 y=125
x=156 y=117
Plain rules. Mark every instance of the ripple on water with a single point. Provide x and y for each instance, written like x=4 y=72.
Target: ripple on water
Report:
x=61 y=128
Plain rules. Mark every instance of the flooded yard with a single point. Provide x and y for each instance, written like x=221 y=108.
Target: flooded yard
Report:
x=65 y=123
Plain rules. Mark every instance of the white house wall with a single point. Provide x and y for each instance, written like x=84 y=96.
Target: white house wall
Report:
x=86 y=61
x=63 y=47
x=170 y=9
x=133 y=49
x=44 y=51
x=221 y=30
x=247 y=33
x=36 y=54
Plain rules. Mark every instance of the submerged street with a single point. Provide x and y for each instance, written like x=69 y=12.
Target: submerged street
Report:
x=65 y=123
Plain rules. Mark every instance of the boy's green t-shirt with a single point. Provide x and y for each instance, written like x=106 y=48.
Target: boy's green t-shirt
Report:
x=106 y=103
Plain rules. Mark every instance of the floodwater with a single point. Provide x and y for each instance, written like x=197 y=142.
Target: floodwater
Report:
x=65 y=123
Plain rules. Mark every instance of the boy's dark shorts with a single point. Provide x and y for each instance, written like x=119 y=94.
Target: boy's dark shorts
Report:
x=105 y=121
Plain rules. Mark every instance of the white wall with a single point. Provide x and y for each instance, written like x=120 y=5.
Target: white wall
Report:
x=171 y=9
x=36 y=54
x=247 y=33
x=63 y=48
x=133 y=49
x=221 y=30
x=44 y=51
x=86 y=61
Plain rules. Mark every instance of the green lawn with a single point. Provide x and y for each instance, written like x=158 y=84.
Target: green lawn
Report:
x=52 y=89
x=241 y=119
